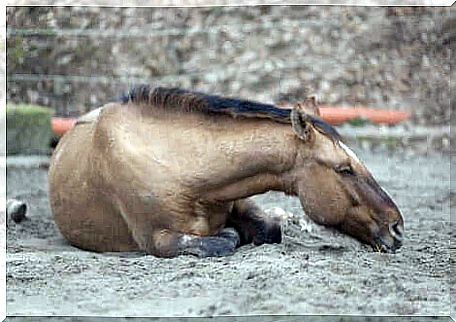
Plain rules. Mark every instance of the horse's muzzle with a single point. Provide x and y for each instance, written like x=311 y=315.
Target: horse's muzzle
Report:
x=381 y=246
x=391 y=243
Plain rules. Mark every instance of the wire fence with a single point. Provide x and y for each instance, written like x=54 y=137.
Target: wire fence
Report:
x=265 y=67
x=160 y=32
x=348 y=58
x=209 y=73
x=213 y=30
x=284 y=25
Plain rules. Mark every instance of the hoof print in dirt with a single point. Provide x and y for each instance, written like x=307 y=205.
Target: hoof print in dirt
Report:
x=16 y=210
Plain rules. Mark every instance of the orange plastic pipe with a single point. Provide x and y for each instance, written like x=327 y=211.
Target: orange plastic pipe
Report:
x=332 y=115
x=61 y=125
x=338 y=115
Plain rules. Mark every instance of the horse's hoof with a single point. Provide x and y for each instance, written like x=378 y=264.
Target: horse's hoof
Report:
x=218 y=247
x=232 y=235
x=212 y=246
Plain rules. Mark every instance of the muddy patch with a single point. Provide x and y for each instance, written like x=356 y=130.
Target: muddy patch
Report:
x=315 y=270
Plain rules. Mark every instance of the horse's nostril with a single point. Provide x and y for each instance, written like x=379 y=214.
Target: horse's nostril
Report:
x=397 y=230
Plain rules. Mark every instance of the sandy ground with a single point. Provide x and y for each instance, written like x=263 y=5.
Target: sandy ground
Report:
x=249 y=318
x=315 y=270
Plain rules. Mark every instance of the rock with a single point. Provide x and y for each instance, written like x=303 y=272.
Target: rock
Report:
x=15 y=210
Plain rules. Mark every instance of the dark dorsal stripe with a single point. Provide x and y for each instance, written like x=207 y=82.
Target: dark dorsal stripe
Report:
x=191 y=101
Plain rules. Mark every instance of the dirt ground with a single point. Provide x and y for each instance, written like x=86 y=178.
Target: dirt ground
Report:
x=247 y=318
x=314 y=271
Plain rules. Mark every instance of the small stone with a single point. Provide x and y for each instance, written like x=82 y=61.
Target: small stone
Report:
x=16 y=210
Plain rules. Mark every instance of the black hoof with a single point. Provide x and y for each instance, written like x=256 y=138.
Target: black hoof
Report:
x=216 y=247
x=232 y=235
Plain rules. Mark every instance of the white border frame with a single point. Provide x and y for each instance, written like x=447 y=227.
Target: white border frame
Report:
x=138 y=3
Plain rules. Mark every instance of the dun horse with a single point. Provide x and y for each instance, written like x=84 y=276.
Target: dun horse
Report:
x=169 y=172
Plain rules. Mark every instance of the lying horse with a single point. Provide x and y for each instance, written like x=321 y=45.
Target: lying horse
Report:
x=169 y=172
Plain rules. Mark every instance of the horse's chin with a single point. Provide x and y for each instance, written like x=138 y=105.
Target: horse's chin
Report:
x=379 y=243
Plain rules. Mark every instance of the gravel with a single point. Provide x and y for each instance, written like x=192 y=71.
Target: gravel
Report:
x=315 y=270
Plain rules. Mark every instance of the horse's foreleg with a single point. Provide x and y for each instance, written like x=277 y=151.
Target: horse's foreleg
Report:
x=149 y=232
x=167 y=243
x=253 y=224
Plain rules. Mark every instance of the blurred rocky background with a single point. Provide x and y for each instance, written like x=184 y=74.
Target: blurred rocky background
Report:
x=74 y=59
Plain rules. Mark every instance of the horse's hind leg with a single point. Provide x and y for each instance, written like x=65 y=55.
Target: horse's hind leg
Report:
x=253 y=224
x=167 y=243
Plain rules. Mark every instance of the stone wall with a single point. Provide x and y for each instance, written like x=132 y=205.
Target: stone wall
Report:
x=76 y=58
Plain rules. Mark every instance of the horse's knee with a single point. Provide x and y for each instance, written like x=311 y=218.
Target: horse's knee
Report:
x=160 y=243
x=268 y=231
x=254 y=225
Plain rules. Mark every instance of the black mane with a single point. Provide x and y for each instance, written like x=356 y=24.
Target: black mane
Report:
x=189 y=101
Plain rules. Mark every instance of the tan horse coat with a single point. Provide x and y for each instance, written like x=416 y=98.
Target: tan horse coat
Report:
x=130 y=177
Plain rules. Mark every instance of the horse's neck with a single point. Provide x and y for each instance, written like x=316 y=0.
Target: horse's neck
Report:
x=263 y=155
x=226 y=160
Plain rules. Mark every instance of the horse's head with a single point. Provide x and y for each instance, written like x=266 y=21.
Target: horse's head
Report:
x=336 y=189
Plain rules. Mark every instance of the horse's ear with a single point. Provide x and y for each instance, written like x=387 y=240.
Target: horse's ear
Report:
x=301 y=124
x=310 y=105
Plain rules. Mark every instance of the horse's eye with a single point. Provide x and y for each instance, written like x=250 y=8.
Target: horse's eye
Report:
x=345 y=170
